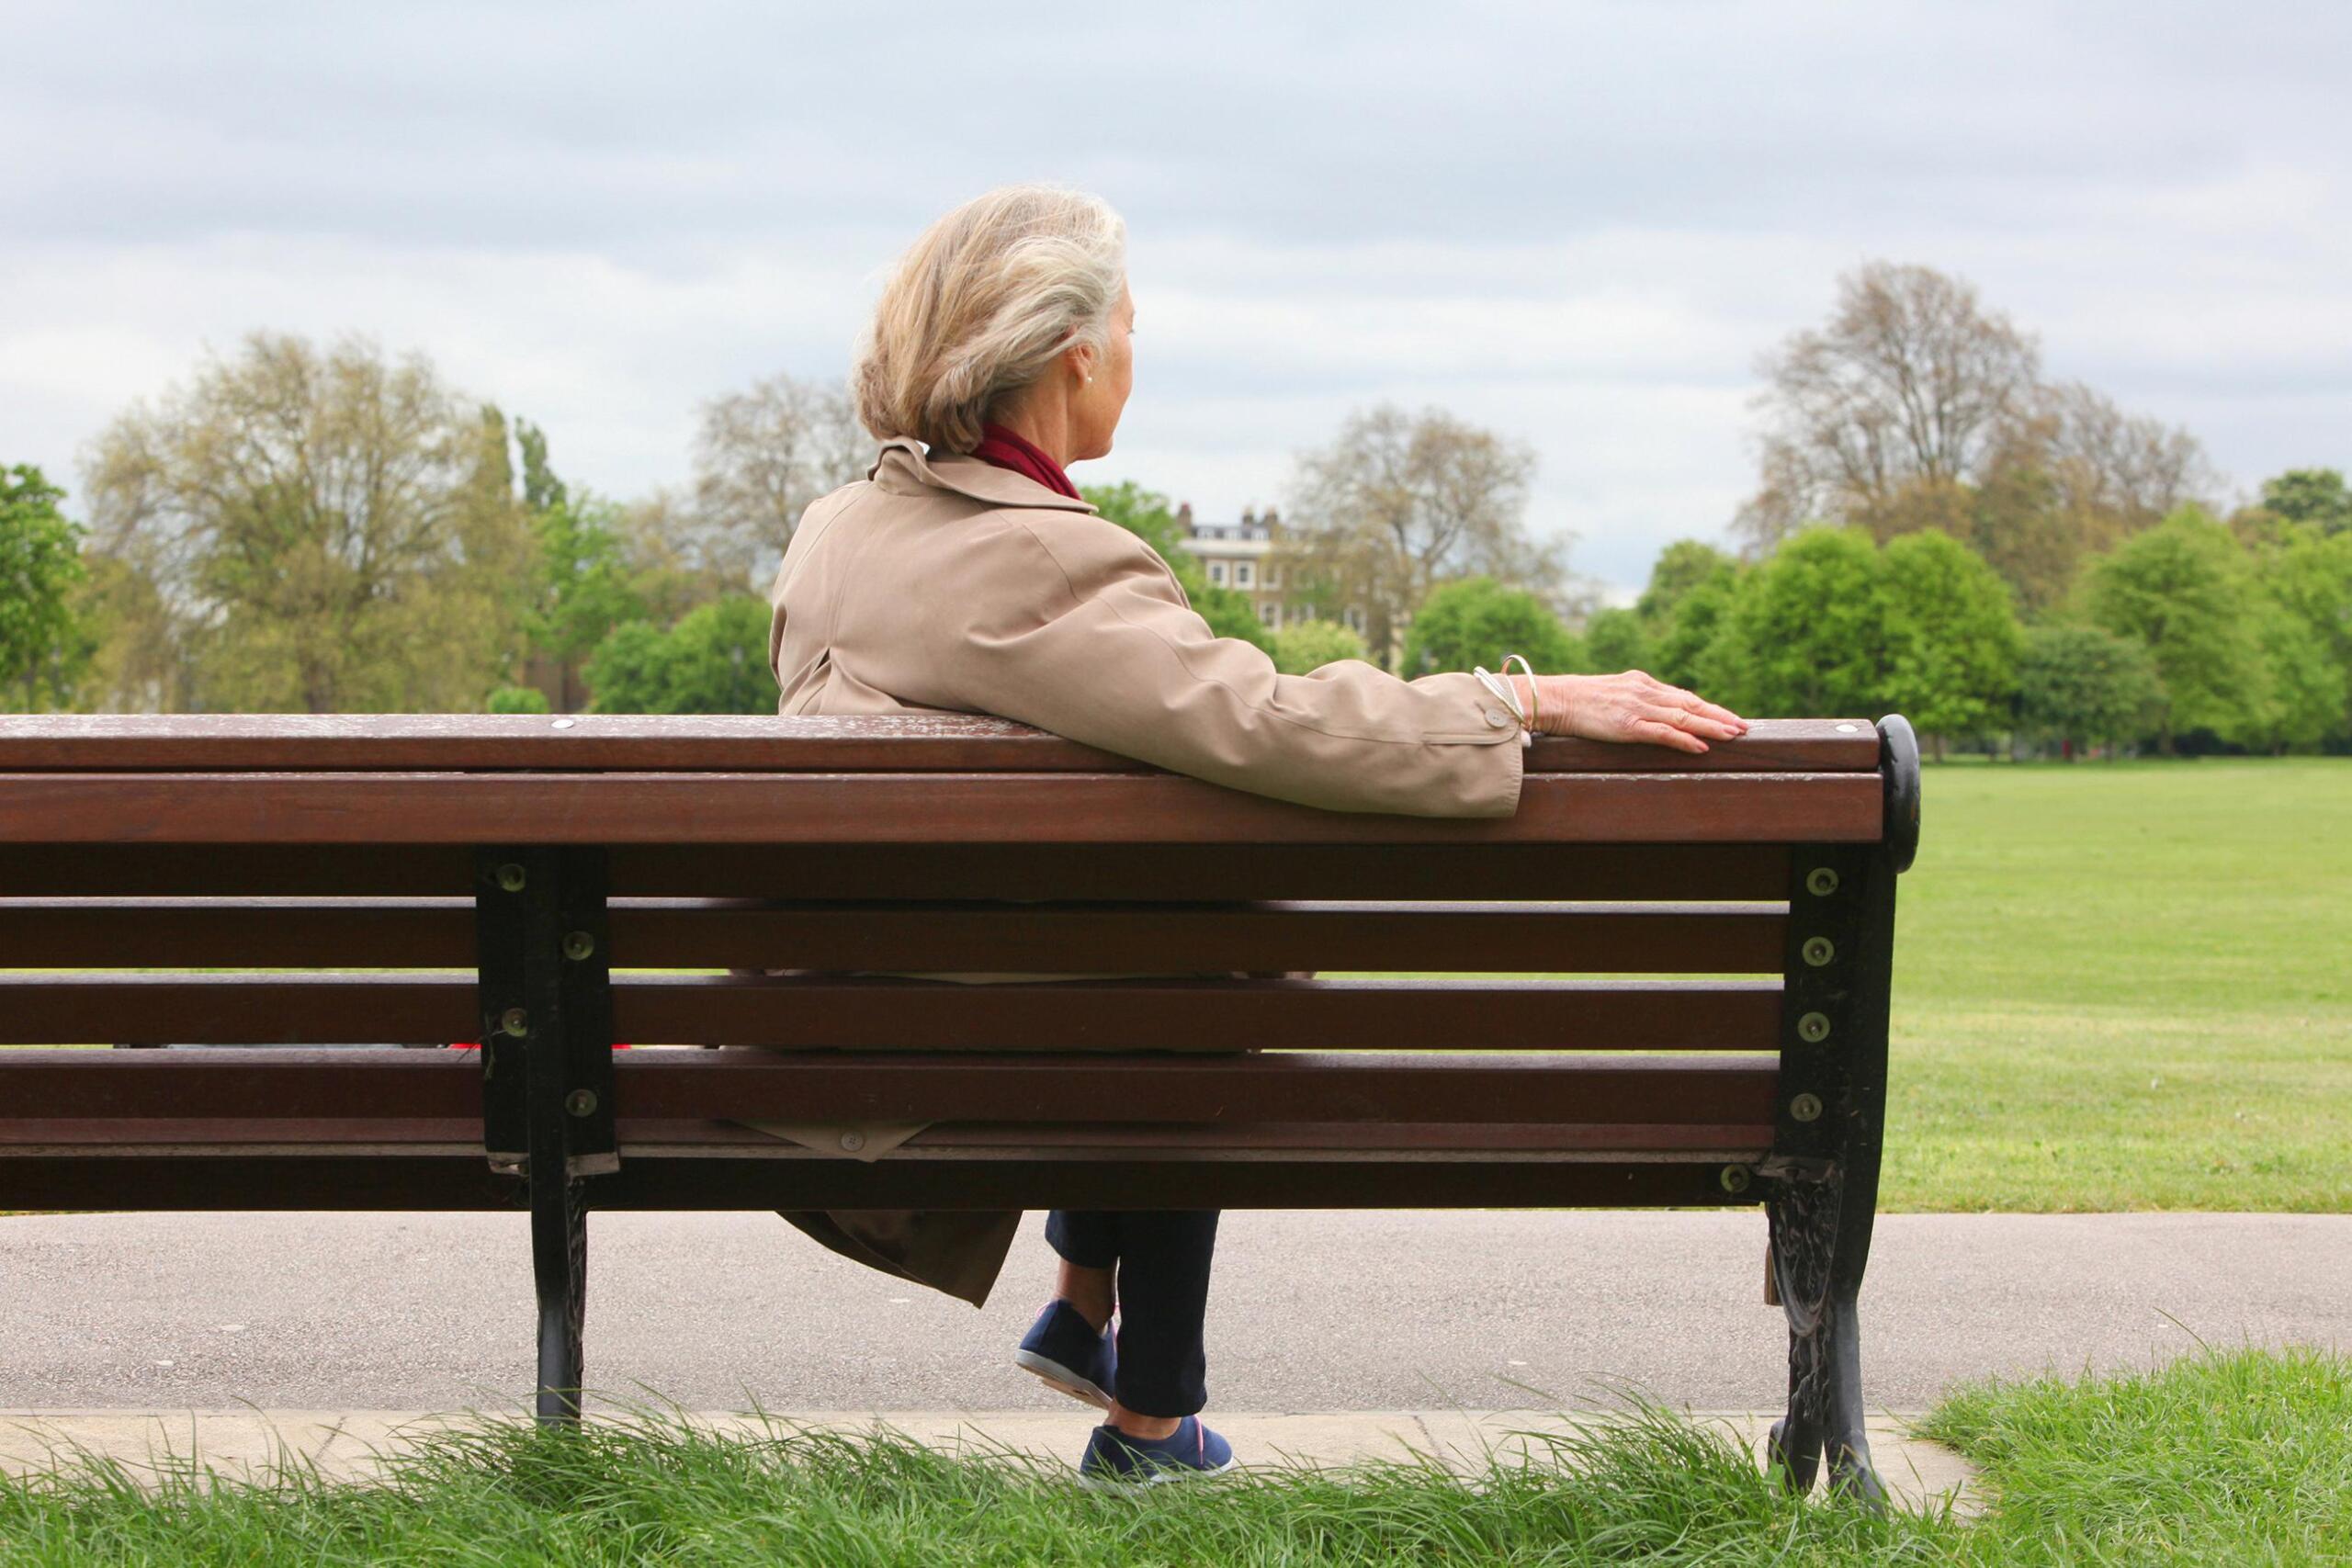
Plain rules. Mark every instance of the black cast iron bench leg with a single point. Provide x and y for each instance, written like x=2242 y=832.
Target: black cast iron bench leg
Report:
x=1824 y=1171
x=545 y=997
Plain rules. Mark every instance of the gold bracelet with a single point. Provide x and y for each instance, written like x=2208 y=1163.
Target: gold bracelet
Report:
x=1535 y=691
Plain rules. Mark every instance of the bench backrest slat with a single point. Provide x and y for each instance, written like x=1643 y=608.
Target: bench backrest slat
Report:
x=1045 y=870
x=351 y=934
x=946 y=808
x=886 y=1015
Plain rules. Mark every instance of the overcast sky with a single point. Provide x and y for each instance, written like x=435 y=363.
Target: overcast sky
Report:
x=1576 y=224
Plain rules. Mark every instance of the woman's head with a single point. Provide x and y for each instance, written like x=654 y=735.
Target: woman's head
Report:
x=1020 y=292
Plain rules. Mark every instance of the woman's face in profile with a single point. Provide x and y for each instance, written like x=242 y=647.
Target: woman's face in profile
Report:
x=1096 y=409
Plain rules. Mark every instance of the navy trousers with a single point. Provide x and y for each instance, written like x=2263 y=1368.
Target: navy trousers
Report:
x=1162 y=1257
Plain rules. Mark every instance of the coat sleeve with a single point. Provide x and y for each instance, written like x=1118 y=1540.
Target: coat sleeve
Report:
x=1075 y=625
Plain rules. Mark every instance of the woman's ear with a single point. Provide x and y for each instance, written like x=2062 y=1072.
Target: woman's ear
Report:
x=1080 y=358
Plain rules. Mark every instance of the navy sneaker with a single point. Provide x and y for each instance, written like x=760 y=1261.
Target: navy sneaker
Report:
x=1115 y=1459
x=1062 y=1347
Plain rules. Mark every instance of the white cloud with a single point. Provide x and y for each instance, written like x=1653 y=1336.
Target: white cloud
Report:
x=1576 y=223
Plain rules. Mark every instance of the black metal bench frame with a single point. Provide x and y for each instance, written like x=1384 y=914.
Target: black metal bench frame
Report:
x=550 y=1098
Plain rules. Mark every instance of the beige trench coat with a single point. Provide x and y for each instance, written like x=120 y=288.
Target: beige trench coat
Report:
x=945 y=583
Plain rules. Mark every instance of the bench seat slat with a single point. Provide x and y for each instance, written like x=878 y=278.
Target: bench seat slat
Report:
x=773 y=808
x=873 y=1014
x=25 y=1137
x=835 y=935
x=270 y=1084
x=244 y=1180
x=1749 y=872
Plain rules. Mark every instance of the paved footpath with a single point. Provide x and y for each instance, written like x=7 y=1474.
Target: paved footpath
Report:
x=1391 y=1324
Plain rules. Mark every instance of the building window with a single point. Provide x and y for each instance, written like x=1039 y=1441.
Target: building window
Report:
x=1244 y=574
x=1273 y=577
x=1271 y=613
x=1299 y=613
x=1216 y=572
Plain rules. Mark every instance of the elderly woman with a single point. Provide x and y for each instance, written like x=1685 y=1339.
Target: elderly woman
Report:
x=965 y=574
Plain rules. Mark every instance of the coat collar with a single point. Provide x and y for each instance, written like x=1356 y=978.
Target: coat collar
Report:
x=904 y=463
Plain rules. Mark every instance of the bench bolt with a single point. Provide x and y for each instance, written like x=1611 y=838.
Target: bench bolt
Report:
x=1805 y=1108
x=1819 y=950
x=516 y=1022
x=1822 y=880
x=1815 y=1027
x=578 y=946
x=581 y=1102
x=1735 y=1177
x=509 y=877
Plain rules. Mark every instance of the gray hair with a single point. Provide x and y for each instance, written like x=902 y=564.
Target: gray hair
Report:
x=981 y=305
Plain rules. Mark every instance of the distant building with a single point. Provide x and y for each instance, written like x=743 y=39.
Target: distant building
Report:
x=1239 y=556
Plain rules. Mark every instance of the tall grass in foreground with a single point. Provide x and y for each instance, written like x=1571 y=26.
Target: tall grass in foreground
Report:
x=2238 y=1458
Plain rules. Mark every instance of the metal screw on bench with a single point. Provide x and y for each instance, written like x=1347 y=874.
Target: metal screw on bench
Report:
x=509 y=877
x=1819 y=950
x=1815 y=1027
x=578 y=946
x=514 y=1021
x=581 y=1102
x=1822 y=883
x=1805 y=1108
x=1735 y=1177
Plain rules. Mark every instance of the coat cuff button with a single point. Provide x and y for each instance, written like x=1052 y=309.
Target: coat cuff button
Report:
x=1497 y=719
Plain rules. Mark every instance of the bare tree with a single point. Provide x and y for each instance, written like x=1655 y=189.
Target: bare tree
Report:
x=1399 y=503
x=327 y=531
x=2117 y=472
x=1911 y=385
x=762 y=455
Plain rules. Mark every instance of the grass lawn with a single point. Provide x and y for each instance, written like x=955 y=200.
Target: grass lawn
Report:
x=2126 y=986
x=2238 y=1458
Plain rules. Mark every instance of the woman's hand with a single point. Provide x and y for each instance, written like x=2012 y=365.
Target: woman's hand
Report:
x=1631 y=707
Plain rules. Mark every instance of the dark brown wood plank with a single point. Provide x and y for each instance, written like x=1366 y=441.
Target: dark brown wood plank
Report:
x=1133 y=1015
x=831 y=935
x=285 y=1084
x=34 y=1138
x=1749 y=872
x=461 y=1180
x=889 y=743
x=939 y=808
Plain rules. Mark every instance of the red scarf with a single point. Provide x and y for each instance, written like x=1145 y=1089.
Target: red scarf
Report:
x=1006 y=450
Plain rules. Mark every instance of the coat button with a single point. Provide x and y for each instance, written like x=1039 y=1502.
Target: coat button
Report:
x=853 y=1142
x=1497 y=719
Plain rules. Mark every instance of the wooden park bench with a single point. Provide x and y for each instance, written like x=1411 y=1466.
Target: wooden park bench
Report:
x=549 y=886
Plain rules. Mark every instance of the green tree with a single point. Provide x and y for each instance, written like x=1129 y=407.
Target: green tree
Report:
x=1808 y=637
x=1310 y=645
x=1615 y=641
x=542 y=491
x=2082 y=685
x=41 y=641
x=329 y=530
x=1952 y=637
x=581 y=588
x=2310 y=577
x=713 y=661
x=2303 y=698
x=2183 y=589
x=1681 y=567
x=515 y=699
x=1146 y=513
x=1685 y=610
x=1476 y=620
x=2317 y=496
